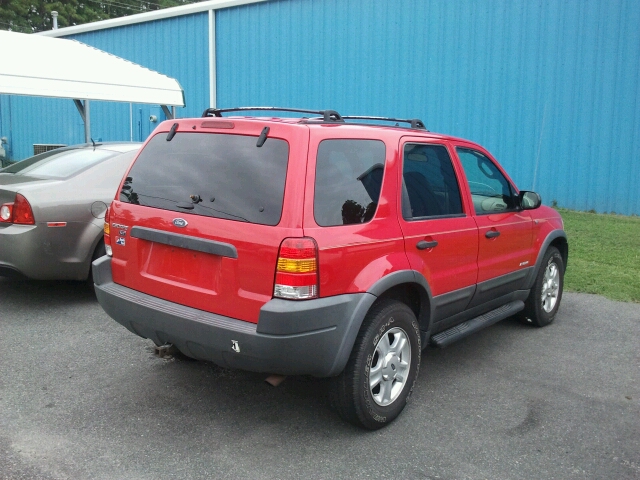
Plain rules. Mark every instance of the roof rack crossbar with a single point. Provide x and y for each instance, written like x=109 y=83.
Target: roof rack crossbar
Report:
x=327 y=115
x=415 y=123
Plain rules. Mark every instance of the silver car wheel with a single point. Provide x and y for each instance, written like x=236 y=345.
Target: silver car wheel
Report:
x=390 y=366
x=550 y=287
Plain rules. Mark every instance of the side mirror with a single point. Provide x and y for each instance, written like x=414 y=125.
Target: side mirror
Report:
x=529 y=200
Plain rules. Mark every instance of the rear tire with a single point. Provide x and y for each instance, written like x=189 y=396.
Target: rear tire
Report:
x=381 y=372
x=544 y=300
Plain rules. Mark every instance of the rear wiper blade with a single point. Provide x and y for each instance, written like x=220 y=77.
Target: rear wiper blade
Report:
x=197 y=200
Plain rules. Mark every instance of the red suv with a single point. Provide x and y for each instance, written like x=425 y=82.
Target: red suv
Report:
x=324 y=245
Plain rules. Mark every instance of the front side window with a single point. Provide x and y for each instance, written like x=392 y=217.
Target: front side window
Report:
x=430 y=186
x=348 y=181
x=490 y=190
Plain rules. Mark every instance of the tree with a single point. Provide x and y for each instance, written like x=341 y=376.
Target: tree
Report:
x=30 y=16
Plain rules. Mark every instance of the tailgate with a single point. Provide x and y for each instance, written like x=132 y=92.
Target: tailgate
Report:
x=200 y=218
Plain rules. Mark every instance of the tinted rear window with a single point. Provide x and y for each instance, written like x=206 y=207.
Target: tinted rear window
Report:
x=348 y=181
x=215 y=175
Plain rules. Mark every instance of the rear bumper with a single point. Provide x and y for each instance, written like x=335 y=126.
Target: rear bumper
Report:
x=41 y=253
x=18 y=250
x=313 y=337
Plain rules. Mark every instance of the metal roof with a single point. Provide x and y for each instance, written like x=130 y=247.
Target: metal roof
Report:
x=54 y=67
x=148 y=16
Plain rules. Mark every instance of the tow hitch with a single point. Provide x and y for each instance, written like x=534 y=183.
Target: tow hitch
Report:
x=166 y=350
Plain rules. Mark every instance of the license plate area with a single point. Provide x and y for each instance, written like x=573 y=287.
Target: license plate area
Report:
x=179 y=266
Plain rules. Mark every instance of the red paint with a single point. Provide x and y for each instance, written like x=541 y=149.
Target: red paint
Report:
x=351 y=258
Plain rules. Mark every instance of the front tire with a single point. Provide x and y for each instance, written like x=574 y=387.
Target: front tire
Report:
x=544 y=300
x=379 y=377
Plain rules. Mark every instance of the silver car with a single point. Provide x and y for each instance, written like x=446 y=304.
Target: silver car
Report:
x=52 y=207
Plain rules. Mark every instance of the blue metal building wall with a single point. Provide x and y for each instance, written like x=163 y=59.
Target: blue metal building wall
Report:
x=29 y=120
x=551 y=88
x=177 y=47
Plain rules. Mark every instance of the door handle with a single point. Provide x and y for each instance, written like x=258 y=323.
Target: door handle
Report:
x=423 y=244
x=492 y=234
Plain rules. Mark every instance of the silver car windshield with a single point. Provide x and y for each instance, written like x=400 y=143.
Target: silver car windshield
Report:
x=61 y=164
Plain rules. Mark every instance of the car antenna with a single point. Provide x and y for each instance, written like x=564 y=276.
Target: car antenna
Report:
x=94 y=143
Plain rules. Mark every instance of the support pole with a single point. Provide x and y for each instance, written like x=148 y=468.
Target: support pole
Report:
x=170 y=114
x=84 y=111
x=87 y=122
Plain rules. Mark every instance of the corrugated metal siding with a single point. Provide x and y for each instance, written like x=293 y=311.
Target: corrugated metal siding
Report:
x=177 y=47
x=551 y=88
x=29 y=120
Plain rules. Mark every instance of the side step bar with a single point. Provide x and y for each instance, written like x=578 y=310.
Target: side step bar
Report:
x=452 y=334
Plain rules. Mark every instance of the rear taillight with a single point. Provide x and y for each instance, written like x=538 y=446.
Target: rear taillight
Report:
x=22 y=212
x=19 y=212
x=297 y=269
x=107 y=234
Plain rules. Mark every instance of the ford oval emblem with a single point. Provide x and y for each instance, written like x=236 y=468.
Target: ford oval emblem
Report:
x=180 y=222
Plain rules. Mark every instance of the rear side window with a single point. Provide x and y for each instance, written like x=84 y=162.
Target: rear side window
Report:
x=214 y=175
x=430 y=186
x=348 y=181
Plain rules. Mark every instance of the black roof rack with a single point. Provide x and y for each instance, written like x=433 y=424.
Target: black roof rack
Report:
x=415 y=123
x=325 y=115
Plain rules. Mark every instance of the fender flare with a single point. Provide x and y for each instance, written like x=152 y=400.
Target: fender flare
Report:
x=366 y=302
x=407 y=276
x=555 y=234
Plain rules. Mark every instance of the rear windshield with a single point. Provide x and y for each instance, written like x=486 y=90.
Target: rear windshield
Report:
x=62 y=164
x=210 y=174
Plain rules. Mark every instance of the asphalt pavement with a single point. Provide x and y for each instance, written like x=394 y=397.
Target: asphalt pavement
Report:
x=83 y=398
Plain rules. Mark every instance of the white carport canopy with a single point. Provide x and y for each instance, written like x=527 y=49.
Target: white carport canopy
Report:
x=54 y=67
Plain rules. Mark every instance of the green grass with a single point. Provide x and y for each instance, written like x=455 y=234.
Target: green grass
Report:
x=604 y=254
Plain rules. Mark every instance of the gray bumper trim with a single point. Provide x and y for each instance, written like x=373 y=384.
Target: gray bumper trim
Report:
x=312 y=337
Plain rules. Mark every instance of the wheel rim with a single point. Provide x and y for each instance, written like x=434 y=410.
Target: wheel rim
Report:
x=390 y=366
x=550 y=287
